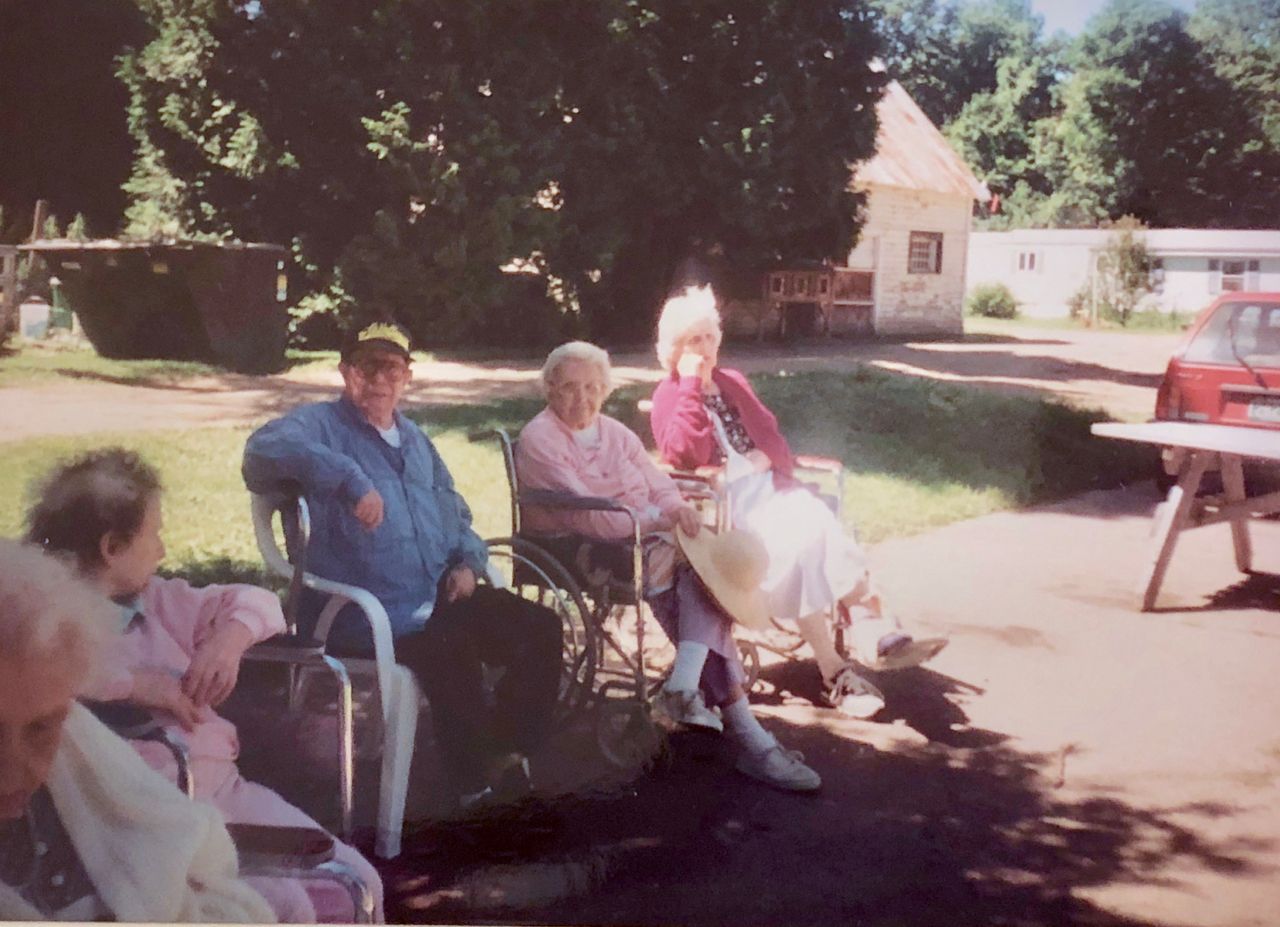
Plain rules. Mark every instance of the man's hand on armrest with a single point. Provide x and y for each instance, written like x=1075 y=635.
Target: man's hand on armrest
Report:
x=369 y=511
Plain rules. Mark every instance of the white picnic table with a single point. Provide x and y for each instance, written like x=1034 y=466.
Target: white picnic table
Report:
x=1205 y=447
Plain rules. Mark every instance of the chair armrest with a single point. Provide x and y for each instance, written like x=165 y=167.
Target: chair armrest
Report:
x=271 y=846
x=558 y=499
x=130 y=721
x=822 y=464
x=285 y=648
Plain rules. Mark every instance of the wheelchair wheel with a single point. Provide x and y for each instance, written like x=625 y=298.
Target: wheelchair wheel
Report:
x=530 y=572
x=749 y=653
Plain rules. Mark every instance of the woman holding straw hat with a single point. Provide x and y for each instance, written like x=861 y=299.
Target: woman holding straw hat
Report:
x=570 y=446
x=704 y=413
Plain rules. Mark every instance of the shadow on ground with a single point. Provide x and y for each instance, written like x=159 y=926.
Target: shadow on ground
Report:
x=961 y=826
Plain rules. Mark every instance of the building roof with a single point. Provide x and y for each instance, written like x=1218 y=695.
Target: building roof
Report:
x=1226 y=242
x=911 y=153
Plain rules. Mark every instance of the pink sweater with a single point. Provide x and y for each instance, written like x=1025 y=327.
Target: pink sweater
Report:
x=547 y=457
x=686 y=436
x=177 y=618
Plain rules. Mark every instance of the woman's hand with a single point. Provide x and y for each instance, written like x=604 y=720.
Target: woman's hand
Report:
x=687 y=518
x=693 y=364
x=215 y=667
x=158 y=689
x=760 y=461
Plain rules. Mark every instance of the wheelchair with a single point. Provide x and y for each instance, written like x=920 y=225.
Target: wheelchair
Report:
x=304 y=854
x=606 y=580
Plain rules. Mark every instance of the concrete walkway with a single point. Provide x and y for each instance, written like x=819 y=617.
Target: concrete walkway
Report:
x=1067 y=760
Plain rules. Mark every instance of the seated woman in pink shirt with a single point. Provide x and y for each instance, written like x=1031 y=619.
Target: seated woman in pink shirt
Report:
x=570 y=446
x=176 y=650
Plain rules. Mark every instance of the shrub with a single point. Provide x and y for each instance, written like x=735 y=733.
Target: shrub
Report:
x=992 y=300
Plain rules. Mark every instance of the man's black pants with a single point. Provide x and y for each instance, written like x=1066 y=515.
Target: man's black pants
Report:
x=497 y=629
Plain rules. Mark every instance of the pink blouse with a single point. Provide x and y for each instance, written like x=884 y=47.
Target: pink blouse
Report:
x=548 y=457
x=177 y=617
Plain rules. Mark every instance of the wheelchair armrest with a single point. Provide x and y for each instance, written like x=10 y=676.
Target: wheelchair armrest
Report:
x=130 y=721
x=554 y=498
x=822 y=464
x=272 y=846
x=285 y=648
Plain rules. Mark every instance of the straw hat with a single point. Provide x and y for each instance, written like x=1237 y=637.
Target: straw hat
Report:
x=732 y=566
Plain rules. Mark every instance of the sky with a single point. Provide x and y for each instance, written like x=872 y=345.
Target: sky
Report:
x=1071 y=15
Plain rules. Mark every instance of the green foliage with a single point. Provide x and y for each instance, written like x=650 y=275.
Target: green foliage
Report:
x=411 y=149
x=992 y=301
x=1123 y=273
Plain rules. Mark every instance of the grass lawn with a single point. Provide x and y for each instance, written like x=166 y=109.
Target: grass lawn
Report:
x=36 y=362
x=1143 y=323
x=918 y=454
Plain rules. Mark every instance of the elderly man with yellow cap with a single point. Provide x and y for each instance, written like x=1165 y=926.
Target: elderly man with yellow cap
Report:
x=385 y=516
x=570 y=446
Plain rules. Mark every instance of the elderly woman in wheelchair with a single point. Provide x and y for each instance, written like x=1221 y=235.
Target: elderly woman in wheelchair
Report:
x=87 y=831
x=175 y=650
x=705 y=414
x=571 y=447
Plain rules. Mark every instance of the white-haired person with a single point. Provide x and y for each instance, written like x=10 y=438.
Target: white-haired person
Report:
x=570 y=446
x=88 y=831
x=703 y=414
x=175 y=651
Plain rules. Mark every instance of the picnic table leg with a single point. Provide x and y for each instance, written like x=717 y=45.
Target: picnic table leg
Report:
x=1233 y=486
x=1172 y=517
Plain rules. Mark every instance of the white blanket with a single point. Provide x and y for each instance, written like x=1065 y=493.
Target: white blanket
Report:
x=152 y=854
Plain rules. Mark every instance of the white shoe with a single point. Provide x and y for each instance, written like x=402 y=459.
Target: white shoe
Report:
x=780 y=768
x=685 y=706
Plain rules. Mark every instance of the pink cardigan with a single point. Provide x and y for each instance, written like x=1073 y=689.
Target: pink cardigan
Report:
x=547 y=457
x=177 y=618
x=686 y=436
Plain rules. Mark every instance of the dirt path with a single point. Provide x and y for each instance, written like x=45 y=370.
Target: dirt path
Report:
x=1117 y=372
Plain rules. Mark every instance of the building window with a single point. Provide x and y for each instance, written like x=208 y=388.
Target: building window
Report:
x=1232 y=275
x=924 y=255
x=1026 y=260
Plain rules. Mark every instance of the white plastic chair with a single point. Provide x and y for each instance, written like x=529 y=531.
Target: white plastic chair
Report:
x=397 y=690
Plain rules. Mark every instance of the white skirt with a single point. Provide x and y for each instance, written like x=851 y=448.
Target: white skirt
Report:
x=812 y=561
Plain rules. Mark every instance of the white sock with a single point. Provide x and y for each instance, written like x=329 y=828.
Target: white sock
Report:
x=742 y=724
x=687 y=669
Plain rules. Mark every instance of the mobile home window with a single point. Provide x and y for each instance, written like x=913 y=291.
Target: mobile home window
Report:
x=1231 y=275
x=1026 y=260
x=924 y=254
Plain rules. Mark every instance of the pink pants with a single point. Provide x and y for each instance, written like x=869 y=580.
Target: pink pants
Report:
x=219 y=783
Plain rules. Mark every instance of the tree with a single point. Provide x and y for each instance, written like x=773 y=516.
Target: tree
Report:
x=410 y=149
x=945 y=54
x=1241 y=39
x=63 y=136
x=1123 y=274
x=1148 y=129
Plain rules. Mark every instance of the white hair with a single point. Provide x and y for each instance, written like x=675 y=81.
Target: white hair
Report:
x=47 y=612
x=577 y=351
x=680 y=315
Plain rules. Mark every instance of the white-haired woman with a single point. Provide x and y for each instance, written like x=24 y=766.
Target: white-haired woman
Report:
x=87 y=830
x=571 y=447
x=707 y=414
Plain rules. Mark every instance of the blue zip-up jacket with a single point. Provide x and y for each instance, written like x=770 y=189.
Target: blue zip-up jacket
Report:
x=336 y=457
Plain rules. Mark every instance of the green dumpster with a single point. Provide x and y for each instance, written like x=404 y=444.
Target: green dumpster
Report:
x=219 y=302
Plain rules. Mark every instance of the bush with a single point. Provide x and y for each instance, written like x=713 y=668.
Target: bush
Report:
x=992 y=300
